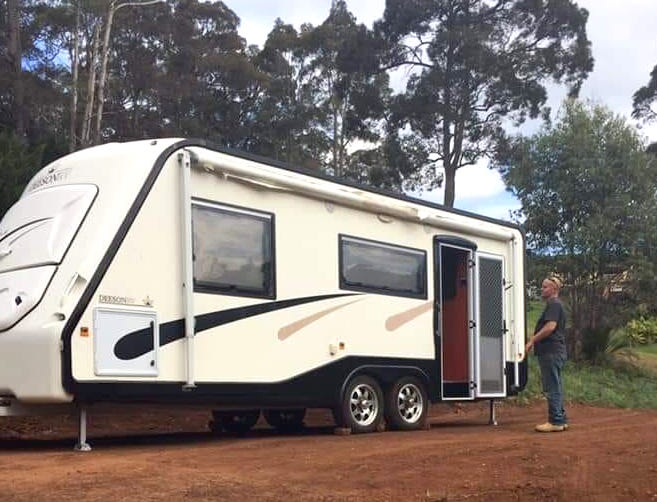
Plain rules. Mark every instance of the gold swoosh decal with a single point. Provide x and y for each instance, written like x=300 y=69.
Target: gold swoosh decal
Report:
x=286 y=331
x=398 y=320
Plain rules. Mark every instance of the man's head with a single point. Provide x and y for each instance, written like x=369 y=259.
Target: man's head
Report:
x=550 y=287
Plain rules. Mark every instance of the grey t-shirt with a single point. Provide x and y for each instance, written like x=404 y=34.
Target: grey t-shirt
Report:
x=556 y=342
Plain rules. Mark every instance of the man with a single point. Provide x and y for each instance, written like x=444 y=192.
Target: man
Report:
x=549 y=342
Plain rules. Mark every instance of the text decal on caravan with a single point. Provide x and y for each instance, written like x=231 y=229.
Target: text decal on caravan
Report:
x=49 y=178
x=116 y=300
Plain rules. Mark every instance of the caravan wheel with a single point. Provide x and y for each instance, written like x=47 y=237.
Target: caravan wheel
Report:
x=407 y=404
x=238 y=422
x=286 y=420
x=362 y=405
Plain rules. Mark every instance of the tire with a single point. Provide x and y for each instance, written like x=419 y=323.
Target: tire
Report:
x=407 y=404
x=238 y=422
x=286 y=420
x=362 y=405
x=215 y=427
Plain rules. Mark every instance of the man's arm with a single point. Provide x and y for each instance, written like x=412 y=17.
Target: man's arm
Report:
x=547 y=329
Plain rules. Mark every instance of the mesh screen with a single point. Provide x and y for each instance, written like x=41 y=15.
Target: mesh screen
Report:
x=491 y=326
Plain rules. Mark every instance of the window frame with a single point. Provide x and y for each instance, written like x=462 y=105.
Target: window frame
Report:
x=217 y=288
x=344 y=283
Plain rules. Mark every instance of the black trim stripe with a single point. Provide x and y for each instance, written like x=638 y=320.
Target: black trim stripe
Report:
x=140 y=342
x=319 y=387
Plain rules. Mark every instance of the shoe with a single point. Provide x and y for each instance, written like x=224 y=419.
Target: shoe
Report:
x=548 y=427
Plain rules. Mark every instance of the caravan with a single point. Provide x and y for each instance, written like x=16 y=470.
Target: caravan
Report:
x=174 y=271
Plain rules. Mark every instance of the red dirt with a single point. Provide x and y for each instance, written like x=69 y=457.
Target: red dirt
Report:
x=149 y=453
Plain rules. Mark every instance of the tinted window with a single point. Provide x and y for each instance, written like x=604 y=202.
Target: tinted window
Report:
x=233 y=251
x=382 y=268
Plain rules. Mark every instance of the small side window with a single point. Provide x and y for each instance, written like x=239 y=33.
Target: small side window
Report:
x=233 y=251
x=382 y=268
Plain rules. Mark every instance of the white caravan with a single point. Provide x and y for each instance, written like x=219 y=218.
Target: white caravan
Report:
x=174 y=271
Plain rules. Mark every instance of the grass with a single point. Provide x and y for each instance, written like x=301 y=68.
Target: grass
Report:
x=621 y=384
x=533 y=313
x=650 y=349
x=647 y=357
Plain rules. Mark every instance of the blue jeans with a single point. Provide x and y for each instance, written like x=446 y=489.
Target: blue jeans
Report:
x=551 y=366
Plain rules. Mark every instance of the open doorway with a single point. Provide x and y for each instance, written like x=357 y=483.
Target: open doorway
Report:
x=455 y=280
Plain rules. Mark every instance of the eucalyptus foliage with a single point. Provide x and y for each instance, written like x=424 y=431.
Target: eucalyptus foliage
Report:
x=476 y=63
x=588 y=194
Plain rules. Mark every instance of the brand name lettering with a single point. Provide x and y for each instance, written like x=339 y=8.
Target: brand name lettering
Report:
x=117 y=300
x=49 y=179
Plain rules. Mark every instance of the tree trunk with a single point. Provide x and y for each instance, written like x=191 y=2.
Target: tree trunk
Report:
x=15 y=56
x=72 y=141
x=336 y=167
x=103 y=72
x=450 y=184
x=91 y=88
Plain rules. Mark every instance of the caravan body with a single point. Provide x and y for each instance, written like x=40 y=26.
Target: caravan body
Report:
x=174 y=271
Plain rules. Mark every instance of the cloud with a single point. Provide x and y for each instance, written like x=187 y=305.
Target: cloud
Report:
x=258 y=16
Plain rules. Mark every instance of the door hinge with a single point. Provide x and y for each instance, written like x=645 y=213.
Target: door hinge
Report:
x=472 y=324
x=473 y=385
x=471 y=263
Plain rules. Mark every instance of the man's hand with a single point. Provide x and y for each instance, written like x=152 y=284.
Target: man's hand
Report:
x=528 y=347
x=541 y=334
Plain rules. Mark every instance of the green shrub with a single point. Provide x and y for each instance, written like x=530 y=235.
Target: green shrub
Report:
x=642 y=331
x=605 y=345
x=18 y=163
x=594 y=342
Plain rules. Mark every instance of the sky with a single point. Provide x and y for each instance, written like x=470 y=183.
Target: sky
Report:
x=624 y=45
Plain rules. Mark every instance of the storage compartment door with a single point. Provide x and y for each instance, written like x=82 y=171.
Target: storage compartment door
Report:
x=110 y=326
x=491 y=360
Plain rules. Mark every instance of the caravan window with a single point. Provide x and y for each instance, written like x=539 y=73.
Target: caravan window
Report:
x=233 y=251
x=382 y=268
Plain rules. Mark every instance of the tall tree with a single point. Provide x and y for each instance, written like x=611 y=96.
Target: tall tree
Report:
x=114 y=6
x=476 y=62
x=324 y=97
x=645 y=104
x=348 y=96
x=587 y=189
x=645 y=99
x=15 y=59
x=205 y=86
x=18 y=163
x=28 y=68
x=283 y=115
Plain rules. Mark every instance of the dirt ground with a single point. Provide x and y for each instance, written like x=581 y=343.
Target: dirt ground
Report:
x=153 y=453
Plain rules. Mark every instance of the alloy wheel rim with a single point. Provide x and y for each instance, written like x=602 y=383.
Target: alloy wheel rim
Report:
x=363 y=405
x=410 y=403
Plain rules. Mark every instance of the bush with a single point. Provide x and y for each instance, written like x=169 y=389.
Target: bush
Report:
x=605 y=345
x=18 y=163
x=642 y=331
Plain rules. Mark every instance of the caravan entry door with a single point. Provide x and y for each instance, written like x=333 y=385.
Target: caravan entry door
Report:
x=491 y=327
x=454 y=324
